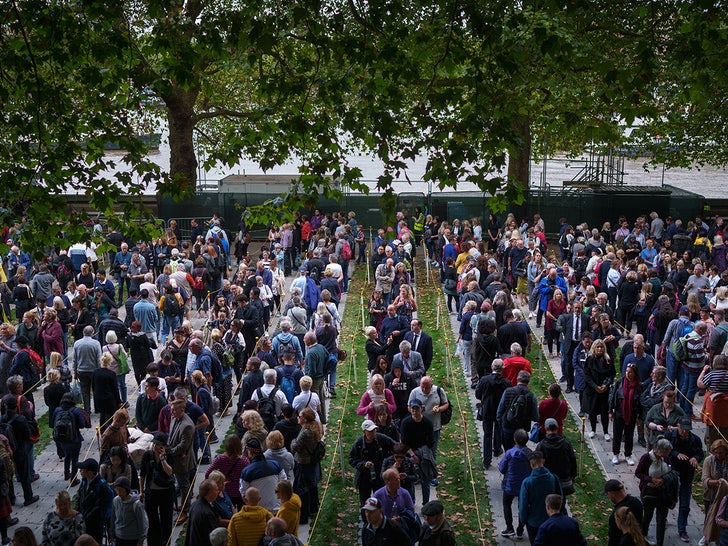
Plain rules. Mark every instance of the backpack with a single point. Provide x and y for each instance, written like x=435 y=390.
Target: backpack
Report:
x=215 y=369
x=679 y=347
x=171 y=305
x=267 y=408
x=288 y=385
x=284 y=347
x=64 y=427
x=518 y=412
x=445 y=415
x=62 y=272
x=319 y=451
x=6 y=429
x=37 y=363
x=345 y=250
x=331 y=362
x=596 y=282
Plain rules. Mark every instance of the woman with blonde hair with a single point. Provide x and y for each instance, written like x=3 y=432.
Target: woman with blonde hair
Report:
x=630 y=527
x=720 y=300
x=405 y=303
x=106 y=390
x=254 y=427
x=307 y=398
x=64 y=525
x=308 y=468
x=599 y=374
x=277 y=452
x=223 y=505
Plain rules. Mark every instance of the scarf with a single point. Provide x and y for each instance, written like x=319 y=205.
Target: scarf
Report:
x=628 y=390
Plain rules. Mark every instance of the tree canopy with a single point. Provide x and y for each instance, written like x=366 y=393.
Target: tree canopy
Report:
x=475 y=87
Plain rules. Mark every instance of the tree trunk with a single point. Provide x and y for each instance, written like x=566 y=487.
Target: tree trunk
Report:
x=183 y=160
x=519 y=162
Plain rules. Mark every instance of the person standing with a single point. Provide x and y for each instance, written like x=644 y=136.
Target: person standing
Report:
x=366 y=457
x=598 y=374
x=534 y=490
x=307 y=469
x=559 y=456
x=203 y=519
x=614 y=490
x=19 y=425
x=434 y=401
x=156 y=483
x=518 y=408
x=129 y=523
x=94 y=499
x=68 y=420
x=181 y=448
x=515 y=468
x=489 y=391
x=380 y=529
x=686 y=454
x=658 y=488
x=315 y=368
x=625 y=410
x=86 y=360
x=436 y=531
x=559 y=528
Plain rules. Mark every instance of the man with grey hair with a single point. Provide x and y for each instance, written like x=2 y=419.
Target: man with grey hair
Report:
x=287 y=342
x=269 y=392
x=86 y=360
x=151 y=288
x=411 y=361
x=696 y=356
x=489 y=391
x=276 y=534
x=514 y=364
x=184 y=282
x=518 y=408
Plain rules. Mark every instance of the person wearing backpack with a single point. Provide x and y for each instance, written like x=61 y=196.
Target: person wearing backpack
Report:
x=128 y=524
x=94 y=499
x=286 y=342
x=170 y=304
x=518 y=408
x=270 y=399
x=23 y=366
x=67 y=421
x=15 y=428
x=679 y=327
x=289 y=376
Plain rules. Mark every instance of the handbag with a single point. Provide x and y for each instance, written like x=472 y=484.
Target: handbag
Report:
x=535 y=434
x=445 y=415
x=76 y=391
x=123 y=361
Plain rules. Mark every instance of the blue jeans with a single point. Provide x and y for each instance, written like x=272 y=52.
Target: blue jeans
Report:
x=672 y=364
x=168 y=326
x=205 y=446
x=688 y=385
x=121 y=382
x=435 y=442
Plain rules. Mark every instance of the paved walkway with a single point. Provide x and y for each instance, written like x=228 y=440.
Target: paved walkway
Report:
x=600 y=449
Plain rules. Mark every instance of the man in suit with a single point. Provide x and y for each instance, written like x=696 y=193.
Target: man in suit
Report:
x=411 y=361
x=574 y=325
x=181 y=449
x=420 y=341
x=512 y=331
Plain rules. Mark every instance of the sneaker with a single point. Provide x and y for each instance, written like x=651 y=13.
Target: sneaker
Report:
x=607 y=437
x=701 y=542
x=519 y=534
x=592 y=434
x=615 y=459
x=684 y=537
x=530 y=315
x=630 y=461
x=508 y=533
x=642 y=442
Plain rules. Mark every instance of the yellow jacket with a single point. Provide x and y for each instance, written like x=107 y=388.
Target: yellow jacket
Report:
x=290 y=511
x=247 y=527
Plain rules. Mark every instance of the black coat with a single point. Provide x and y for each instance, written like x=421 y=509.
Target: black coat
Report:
x=106 y=391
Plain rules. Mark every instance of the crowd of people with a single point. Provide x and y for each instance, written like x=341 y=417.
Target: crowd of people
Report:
x=200 y=338
x=634 y=319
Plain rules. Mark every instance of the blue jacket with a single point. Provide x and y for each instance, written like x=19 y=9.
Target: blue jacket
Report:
x=559 y=529
x=312 y=294
x=515 y=468
x=544 y=289
x=532 y=499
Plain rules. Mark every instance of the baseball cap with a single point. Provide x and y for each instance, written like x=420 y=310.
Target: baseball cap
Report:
x=372 y=503
x=613 y=485
x=160 y=438
x=368 y=425
x=685 y=423
x=415 y=403
x=89 y=464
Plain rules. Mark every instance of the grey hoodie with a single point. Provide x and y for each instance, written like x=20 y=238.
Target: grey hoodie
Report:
x=128 y=519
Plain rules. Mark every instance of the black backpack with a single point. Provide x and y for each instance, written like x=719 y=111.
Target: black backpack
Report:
x=518 y=412
x=215 y=369
x=267 y=408
x=6 y=429
x=64 y=427
x=284 y=348
x=171 y=305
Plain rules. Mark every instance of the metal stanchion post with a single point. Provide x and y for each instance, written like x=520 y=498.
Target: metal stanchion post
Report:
x=437 y=320
x=368 y=264
x=363 y=325
x=581 y=444
x=353 y=360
